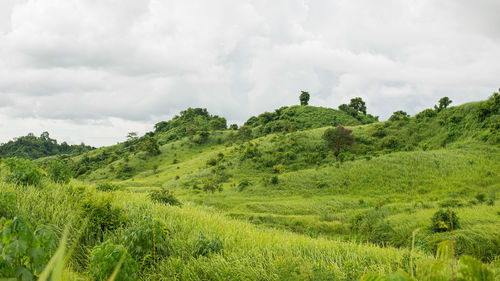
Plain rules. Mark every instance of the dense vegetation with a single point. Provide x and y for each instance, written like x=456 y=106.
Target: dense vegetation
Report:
x=329 y=198
x=33 y=147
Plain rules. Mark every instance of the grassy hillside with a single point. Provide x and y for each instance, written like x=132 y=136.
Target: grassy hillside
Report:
x=279 y=206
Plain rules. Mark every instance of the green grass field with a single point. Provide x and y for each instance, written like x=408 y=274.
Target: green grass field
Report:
x=280 y=206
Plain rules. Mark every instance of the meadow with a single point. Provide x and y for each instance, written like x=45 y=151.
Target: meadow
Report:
x=267 y=201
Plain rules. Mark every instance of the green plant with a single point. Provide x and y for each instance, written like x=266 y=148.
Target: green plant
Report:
x=24 y=253
x=101 y=216
x=444 y=220
x=58 y=171
x=23 y=172
x=243 y=184
x=106 y=186
x=148 y=241
x=106 y=257
x=7 y=205
x=204 y=246
x=274 y=180
x=164 y=196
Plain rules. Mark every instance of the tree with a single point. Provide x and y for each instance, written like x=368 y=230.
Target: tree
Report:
x=338 y=139
x=233 y=127
x=399 y=115
x=244 y=133
x=218 y=124
x=358 y=105
x=131 y=136
x=443 y=103
x=150 y=145
x=304 y=98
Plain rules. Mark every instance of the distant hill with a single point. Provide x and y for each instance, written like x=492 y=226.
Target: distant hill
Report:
x=33 y=147
x=303 y=117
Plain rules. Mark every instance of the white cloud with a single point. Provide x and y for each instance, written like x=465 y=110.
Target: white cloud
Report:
x=93 y=70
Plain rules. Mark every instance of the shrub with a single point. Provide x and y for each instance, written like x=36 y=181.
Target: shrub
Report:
x=105 y=258
x=204 y=246
x=102 y=217
x=274 y=180
x=444 y=220
x=164 y=196
x=58 y=171
x=243 y=184
x=23 y=172
x=147 y=241
x=7 y=204
x=481 y=197
x=24 y=253
x=106 y=186
x=211 y=162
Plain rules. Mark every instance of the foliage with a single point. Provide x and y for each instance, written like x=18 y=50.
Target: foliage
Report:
x=32 y=147
x=233 y=127
x=244 y=133
x=304 y=98
x=150 y=145
x=101 y=217
x=189 y=122
x=205 y=247
x=7 y=205
x=58 y=171
x=23 y=172
x=444 y=220
x=244 y=183
x=443 y=103
x=399 y=115
x=164 y=196
x=201 y=137
x=23 y=252
x=107 y=186
x=148 y=241
x=105 y=258
x=338 y=139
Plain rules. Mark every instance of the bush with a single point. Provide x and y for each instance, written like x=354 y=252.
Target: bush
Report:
x=243 y=184
x=211 y=162
x=106 y=257
x=148 y=241
x=7 y=205
x=24 y=253
x=23 y=172
x=274 y=180
x=106 y=186
x=444 y=220
x=204 y=246
x=58 y=171
x=164 y=196
x=102 y=217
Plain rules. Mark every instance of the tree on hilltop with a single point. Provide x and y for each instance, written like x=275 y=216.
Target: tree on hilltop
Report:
x=304 y=98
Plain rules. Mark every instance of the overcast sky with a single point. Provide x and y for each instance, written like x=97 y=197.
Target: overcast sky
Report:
x=93 y=70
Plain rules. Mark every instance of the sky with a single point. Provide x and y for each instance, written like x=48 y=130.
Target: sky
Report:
x=93 y=70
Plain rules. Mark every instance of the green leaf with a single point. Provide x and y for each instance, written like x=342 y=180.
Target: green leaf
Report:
x=17 y=248
x=23 y=273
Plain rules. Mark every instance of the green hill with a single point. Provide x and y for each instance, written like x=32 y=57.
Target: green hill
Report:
x=276 y=204
x=33 y=147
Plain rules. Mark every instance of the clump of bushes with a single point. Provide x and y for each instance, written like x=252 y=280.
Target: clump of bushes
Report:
x=204 y=246
x=58 y=171
x=148 y=241
x=164 y=196
x=101 y=216
x=107 y=187
x=444 y=220
x=106 y=257
x=23 y=172
x=7 y=204
x=24 y=252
